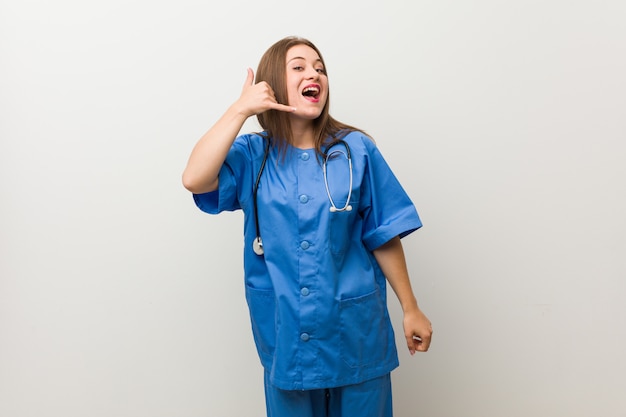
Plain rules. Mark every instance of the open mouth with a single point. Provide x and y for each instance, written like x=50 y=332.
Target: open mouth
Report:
x=312 y=92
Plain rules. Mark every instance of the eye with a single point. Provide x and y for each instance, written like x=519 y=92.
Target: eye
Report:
x=321 y=70
x=298 y=68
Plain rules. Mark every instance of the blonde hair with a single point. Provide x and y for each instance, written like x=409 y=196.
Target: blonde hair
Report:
x=272 y=69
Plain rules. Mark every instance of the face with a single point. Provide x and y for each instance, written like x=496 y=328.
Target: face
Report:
x=307 y=83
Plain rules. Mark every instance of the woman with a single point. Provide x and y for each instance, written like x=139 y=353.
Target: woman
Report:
x=324 y=216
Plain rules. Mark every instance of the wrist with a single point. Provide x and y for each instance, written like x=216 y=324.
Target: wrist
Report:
x=409 y=306
x=239 y=111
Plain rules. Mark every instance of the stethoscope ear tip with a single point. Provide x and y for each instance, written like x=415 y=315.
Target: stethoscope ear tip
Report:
x=334 y=209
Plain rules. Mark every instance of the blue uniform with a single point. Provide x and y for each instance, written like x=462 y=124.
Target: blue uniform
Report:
x=317 y=298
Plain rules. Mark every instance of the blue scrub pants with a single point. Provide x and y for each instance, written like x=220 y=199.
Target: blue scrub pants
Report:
x=368 y=399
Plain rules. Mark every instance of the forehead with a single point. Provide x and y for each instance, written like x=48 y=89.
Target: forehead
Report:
x=302 y=51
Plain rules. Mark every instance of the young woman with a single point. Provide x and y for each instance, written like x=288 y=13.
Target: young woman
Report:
x=324 y=215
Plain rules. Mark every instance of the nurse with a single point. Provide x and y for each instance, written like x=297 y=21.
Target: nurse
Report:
x=330 y=214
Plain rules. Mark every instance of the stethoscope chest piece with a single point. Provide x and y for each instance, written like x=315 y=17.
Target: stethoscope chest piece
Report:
x=257 y=246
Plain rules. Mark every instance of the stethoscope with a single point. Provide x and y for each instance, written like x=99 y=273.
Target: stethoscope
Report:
x=257 y=243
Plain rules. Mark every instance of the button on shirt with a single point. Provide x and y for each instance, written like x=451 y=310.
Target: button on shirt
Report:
x=317 y=298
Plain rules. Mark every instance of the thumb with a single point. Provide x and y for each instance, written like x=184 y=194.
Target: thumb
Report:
x=412 y=343
x=249 y=78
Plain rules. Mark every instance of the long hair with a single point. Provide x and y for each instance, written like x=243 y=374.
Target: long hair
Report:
x=272 y=69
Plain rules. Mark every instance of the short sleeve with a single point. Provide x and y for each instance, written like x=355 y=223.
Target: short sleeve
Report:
x=233 y=177
x=386 y=208
x=222 y=199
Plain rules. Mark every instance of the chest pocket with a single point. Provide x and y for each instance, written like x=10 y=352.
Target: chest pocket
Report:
x=341 y=231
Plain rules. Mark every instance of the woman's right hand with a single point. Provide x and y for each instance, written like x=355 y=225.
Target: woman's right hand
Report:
x=207 y=157
x=258 y=98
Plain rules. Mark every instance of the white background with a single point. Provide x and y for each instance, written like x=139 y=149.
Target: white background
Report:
x=505 y=121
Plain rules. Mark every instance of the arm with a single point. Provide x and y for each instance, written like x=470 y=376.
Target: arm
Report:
x=209 y=153
x=417 y=328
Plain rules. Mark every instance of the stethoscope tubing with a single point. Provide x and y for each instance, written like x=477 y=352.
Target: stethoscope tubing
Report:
x=327 y=155
x=257 y=244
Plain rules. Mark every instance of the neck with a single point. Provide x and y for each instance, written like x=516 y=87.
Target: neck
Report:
x=303 y=135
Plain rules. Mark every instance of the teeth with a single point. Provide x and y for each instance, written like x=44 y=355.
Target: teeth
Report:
x=314 y=90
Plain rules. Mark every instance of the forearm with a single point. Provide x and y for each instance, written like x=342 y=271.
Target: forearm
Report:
x=209 y=153
x=417 y=327
x=390 y=257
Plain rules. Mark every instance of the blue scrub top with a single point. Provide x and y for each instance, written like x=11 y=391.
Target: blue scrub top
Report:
x=317 y=298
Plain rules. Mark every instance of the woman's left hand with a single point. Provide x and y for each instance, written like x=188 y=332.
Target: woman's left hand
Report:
x=418 y=331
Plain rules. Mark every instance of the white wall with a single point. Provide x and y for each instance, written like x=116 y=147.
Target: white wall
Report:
x=504 y=120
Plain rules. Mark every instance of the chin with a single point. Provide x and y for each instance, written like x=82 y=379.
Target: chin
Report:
x=308 y=114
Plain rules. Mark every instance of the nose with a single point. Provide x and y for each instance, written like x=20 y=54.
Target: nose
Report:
x=312 y=73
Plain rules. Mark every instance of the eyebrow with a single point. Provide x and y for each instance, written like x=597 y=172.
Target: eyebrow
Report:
x=299 y=57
